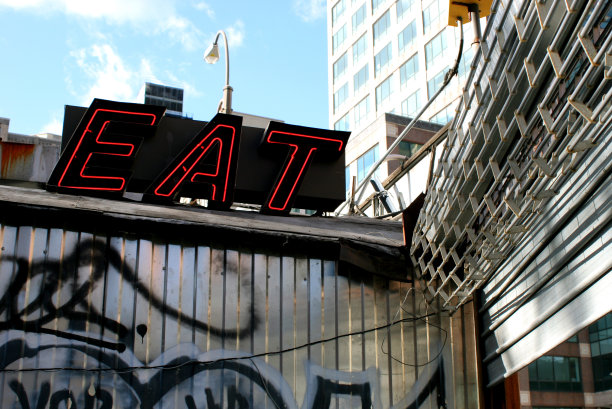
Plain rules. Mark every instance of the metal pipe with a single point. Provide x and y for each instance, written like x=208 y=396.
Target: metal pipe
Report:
x=532 y=20
x=497 y=243
x=411 y=162
x=593 y=14
x=546 y=21
x=360 y=188
x=474 y=15
x=516 y=271
x=559 y=179
x=560 y=264
x=561 y=30
x=383 y=196
x=554 y=148
x=530 y=219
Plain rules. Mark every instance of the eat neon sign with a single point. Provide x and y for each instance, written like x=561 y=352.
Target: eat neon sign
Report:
x=99 y=157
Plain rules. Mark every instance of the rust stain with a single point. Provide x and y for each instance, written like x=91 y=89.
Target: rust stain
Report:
x=14 y=155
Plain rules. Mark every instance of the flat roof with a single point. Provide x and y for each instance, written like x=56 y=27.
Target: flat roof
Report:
x=335 y=237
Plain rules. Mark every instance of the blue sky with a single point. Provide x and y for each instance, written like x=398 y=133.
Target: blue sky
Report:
x=67 y=52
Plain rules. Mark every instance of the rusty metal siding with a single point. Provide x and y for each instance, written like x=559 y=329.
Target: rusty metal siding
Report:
x=130 y=322
x=31 y=161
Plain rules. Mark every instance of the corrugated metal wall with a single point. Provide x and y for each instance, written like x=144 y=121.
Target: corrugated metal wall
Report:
x=95 y=321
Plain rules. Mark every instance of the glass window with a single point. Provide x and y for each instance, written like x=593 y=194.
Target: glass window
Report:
x=444 y=116
x=407 y=36
x=562 y=369
x=347 y=179
x=435 y=49
x=359 y=49
x=361 y=111
x=602 y=370
x=433 y=14
x=365 y=162
x=434 y=84
x=383 y=93
x=382 y=59
x=338 y=11
x=376 y=4
x=360 y=79
x=545 y=369
x=412 y=105
x=381 y=26
x=343 y=124
x=409 y=70
x=466 y=61
x=408 y=148
x=402 y=7
x=555 y=373
x=601 y=330
x=340 y=96
x=340 y=67
x=600 y=336
x=359 y=17
x=338 y=38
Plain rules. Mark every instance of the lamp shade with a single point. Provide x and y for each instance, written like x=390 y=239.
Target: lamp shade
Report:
x=211 y=55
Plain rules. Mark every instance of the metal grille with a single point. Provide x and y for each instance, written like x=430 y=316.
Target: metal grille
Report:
x=535 y=116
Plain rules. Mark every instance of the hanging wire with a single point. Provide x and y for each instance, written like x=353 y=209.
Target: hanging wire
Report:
x=422 y=318
x=359 y=191
x=220 y=360
x=264 y=383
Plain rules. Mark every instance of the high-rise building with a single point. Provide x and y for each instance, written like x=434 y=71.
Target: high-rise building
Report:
x=169 y=97
x=390 y=56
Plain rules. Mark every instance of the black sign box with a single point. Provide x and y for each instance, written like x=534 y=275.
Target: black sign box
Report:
x=322 y=189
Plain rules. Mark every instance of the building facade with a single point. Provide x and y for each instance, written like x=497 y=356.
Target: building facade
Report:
x=575 y=374
x=389 y=57
x=162 y=95
x=366 y=147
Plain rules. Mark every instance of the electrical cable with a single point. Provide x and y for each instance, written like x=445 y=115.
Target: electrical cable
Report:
x=447 y=78
x=264 y=383
x=197 y=362
x=422 y=318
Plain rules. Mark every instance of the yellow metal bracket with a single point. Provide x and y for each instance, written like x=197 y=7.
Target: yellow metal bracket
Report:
x=459 y=9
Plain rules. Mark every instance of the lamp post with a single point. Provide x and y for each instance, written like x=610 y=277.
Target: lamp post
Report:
x=211 y=56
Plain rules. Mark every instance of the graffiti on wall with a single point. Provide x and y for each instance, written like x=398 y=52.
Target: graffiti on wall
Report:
x=51 y=277
x=61 y=348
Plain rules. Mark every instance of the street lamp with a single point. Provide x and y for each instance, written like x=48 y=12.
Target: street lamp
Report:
x=211 y=56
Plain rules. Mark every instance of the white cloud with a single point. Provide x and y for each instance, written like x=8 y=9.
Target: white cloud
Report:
x=21 y=4
x=187 y=87
x=235 y=34
x=205 y=7
x=108 y=76
x=54 y=126
x=181 y=31
x=309 y=10
x=146 y=16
